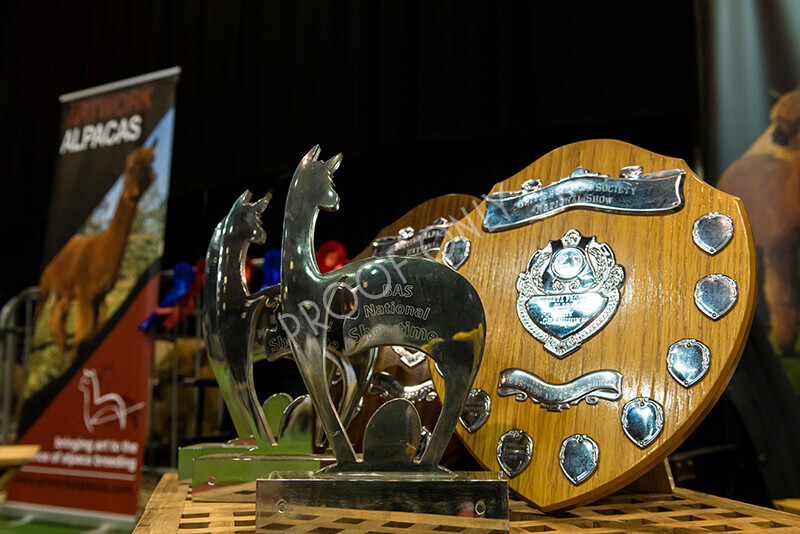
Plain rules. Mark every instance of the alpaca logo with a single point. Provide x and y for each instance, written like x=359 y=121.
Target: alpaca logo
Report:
x=99 y=409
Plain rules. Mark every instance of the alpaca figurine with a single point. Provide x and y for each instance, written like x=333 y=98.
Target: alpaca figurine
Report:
x=241 y=328
x=230 y=315
x=86 y=268
x=408 y=301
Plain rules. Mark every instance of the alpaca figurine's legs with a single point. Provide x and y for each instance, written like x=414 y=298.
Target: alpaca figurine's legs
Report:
x=310 y=362
x=458 y=361
x=240 y=397
x=348 y=381
x=440 y=437
x=222 y=372
x=360 y=371
x=255 y=414
x=334 y=429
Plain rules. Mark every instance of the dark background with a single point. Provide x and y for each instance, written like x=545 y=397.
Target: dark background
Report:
x=423 y=99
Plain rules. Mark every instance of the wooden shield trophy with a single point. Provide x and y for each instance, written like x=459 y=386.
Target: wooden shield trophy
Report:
x=618 y=289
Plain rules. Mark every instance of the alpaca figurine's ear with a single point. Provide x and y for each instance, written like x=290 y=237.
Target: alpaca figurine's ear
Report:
x=263 y=202
x=333 y=163
x=312 y=155
x=244 y=198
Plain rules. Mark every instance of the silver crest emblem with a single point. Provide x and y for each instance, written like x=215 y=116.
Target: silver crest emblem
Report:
x=569 y=291
x=642 y=421
x=578 y=457
x=514 y=452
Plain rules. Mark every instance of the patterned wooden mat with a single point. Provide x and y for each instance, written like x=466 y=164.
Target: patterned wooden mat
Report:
x=171 y=509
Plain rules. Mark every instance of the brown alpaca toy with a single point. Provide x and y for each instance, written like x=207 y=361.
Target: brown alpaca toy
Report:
x=767 y=179
x=86 y=268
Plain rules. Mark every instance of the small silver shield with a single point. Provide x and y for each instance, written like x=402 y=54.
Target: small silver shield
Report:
x=712 y=231
x=514 y=452
x=688 y=361
x=578 y=457
x=476 y=410
x=455 y=252
x=642 y=420
x=715 y=295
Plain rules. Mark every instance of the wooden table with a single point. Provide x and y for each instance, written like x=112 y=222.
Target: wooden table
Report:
x=171 y=509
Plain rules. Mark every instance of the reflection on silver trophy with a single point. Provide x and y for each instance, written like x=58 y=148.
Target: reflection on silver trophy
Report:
x=393 y=301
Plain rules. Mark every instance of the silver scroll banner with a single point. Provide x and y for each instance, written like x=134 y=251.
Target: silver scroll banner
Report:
x=425 y=242
x=633 y=192
x=605 y=384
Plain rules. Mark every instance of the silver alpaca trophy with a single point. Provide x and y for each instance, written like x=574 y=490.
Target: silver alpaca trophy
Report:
x=238 y=328
x=407 y=301
x=231 y=315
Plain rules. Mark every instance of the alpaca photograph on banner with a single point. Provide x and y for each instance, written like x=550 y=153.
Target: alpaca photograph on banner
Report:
x=94 y=273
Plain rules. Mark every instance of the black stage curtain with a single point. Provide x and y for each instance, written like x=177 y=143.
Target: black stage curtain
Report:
x=423 y=98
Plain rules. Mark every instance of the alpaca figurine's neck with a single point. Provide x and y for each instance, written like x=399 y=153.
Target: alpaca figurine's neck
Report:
x=298 y=261
x=241 y=259
x=227 y=261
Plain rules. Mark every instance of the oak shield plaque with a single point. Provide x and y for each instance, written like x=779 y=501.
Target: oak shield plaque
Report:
x=651 y=240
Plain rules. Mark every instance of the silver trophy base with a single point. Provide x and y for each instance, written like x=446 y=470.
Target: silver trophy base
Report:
x=473 y=498
x=232 y=477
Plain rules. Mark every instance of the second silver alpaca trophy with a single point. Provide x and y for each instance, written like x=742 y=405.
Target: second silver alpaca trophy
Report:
x=411 y=302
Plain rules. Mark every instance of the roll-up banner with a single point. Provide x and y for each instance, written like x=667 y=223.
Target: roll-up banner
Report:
x=86 y=386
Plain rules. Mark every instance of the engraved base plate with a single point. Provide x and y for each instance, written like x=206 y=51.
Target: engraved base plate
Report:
x=481 y=498
x=232 y=477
